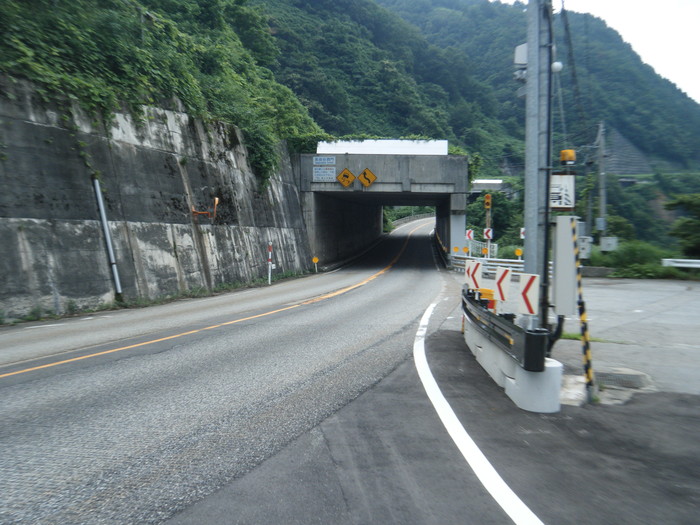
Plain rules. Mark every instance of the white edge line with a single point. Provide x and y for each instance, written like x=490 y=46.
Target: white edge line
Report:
x=490 y=479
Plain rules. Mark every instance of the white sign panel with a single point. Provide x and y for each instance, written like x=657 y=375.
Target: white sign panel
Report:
x=324 y=161
x=468 y=268
x=324 y=174
x=384 y=147
x=502 y=283
x=474 y=275
x=529 y=296
x=561 y=192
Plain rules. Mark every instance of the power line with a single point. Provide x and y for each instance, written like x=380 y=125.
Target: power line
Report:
x=572 y=67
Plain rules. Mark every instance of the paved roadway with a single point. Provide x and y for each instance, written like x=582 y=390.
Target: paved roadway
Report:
x=262 y=407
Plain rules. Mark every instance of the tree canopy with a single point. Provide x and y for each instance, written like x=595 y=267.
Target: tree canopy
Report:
x=687 y=228
x=211 y=55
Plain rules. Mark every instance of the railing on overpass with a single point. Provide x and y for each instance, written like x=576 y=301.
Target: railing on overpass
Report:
x=409 y=218
x=681 y=263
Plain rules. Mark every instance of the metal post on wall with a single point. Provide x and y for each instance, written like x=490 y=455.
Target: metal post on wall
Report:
x=108 y=240
x=269 y=262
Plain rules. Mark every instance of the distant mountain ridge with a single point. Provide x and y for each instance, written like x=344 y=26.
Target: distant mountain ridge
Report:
x=616 y=86
x=284 y=69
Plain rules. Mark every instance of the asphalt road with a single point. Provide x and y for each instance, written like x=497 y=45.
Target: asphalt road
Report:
x=132 y=416
x=300 y=403
x=386 y=458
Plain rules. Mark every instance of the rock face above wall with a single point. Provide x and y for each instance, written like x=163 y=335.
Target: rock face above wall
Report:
x=152 y=173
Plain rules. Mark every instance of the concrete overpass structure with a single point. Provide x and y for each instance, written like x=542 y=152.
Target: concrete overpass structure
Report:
x=345 y=185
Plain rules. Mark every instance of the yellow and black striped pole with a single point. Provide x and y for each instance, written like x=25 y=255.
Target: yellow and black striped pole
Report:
x=585 y=338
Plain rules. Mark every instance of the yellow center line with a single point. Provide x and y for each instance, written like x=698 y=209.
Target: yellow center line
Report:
x=183 y=334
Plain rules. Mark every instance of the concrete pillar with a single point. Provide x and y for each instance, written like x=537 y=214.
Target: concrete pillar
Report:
x=458 y=221
x=458 y=225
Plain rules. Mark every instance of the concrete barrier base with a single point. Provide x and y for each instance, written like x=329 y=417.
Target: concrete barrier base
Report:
x=536 y=391
x=531 y=391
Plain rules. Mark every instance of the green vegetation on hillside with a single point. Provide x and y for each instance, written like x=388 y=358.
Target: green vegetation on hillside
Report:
x=360 y=69
x=615 y=85
x=209 y=54
x=687 y=228
x=303 y=71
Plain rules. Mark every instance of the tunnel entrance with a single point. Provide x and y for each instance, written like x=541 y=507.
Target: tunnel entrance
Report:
x=345 y=185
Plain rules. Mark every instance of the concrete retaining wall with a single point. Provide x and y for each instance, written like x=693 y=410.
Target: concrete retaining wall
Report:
x=152 y=173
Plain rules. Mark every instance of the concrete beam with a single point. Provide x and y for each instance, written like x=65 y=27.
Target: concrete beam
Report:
x=394 y=173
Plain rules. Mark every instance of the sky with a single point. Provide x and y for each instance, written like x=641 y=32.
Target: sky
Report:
x=665 y=34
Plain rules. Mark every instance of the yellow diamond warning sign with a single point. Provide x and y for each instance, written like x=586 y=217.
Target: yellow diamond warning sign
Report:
x=367 y=178
x=346 y=177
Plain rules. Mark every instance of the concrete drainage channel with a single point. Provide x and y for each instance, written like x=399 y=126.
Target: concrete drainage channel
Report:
x=616 y=386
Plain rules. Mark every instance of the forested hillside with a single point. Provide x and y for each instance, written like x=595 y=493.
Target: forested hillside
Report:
x=361 y=69
x=303 y=69
x=283 y=68
x=209 y=55
x=614 y=84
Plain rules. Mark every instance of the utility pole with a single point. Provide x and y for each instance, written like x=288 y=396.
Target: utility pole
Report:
x=538 y=145
x=602 y=190
x=487 y=206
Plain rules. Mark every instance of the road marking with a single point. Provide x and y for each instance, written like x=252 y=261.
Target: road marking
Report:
x=228 y=323
x=490 y=479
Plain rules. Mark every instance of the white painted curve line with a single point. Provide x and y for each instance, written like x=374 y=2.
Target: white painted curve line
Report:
x=494 y=484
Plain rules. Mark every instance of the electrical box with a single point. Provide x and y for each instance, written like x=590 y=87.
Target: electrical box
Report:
x=608 y=244
x=585 y=244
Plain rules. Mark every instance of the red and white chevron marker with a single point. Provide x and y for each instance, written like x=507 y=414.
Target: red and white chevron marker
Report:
x=468 y=270
x=502 y=283
x=488 y=234
x=529 y=296
x=469 y=265
x=475 y=276
x=469 y=235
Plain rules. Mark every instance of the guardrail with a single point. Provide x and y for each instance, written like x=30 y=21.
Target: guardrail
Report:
x=409 y=218
x=490 y=265
x=681 y=263
x=527 y=347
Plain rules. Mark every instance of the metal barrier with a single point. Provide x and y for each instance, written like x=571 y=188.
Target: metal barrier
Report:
x=527 y=347
x=409 y=218
x=490 y=265
x=681 y=263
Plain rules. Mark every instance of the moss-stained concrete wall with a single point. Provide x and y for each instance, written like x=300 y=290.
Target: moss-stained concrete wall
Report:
x=152 y=172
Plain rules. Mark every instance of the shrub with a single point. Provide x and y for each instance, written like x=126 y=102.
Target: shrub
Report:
x=629 y=254
x=508 y=252
x=650 y=271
